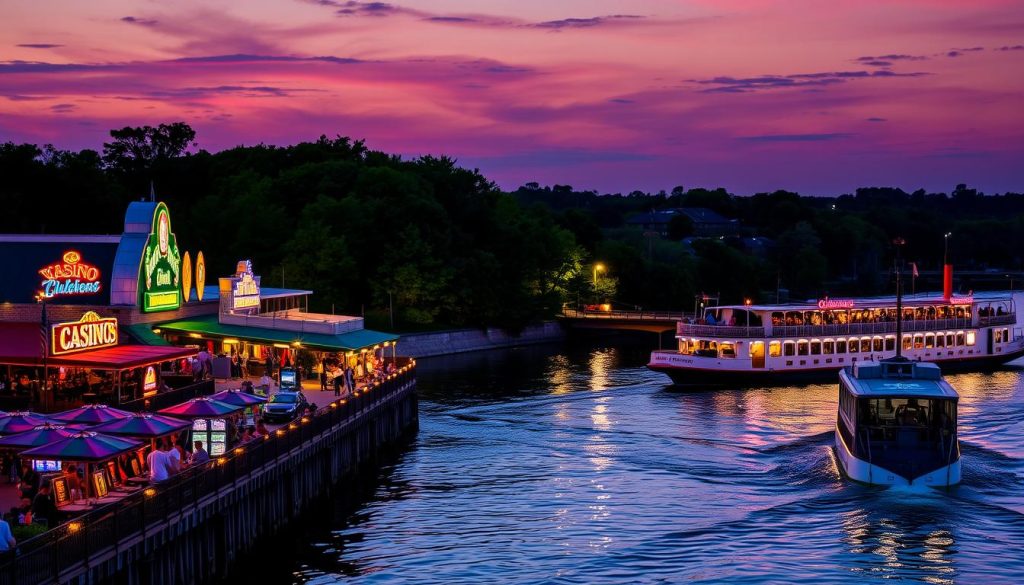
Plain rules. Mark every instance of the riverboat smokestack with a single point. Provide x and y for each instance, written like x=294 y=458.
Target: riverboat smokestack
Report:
x=947 y=282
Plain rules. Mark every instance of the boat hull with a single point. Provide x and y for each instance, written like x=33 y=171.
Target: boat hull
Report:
x=694 y=375
x=864 y=472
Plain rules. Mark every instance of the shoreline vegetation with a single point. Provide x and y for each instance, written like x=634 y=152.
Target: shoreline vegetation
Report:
x=422 y=245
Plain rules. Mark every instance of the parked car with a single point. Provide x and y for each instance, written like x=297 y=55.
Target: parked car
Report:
x=284 y=406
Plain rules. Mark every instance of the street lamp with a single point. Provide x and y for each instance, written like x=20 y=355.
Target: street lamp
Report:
x=597 y=268
x=747 y=303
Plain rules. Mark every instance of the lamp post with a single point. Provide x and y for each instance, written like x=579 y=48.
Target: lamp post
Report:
x=44 y=335
x=747 y=303
x=597 y=268
x=898 y=243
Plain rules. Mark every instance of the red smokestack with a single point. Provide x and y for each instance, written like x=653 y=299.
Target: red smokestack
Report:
x=947 y=281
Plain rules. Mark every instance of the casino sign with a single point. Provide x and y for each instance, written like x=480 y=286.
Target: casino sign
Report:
x=72 y=276
x=89 y=332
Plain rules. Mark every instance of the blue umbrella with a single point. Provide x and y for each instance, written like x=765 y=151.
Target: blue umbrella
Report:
x=19 y=422
x=37 y=437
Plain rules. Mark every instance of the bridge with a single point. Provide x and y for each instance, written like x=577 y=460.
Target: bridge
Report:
x=638 y=320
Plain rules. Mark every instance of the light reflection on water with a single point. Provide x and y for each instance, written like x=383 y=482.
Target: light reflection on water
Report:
x=577 y=465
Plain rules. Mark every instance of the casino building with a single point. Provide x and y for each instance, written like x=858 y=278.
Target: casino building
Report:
x=101 y=318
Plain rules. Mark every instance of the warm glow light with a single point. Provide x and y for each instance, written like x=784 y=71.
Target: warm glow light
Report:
x=156 y=330
x=239 y=450
x=230 y=340
x=222 y=460
x=150 y=492
x=305 y=419
x=281 y=346
x=74 y=527
x=196 y=335
x=280 y=432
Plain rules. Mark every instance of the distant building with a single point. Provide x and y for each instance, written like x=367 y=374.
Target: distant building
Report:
x=706 y=222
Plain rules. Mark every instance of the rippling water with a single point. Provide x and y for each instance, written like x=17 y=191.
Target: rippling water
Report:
x=578 y=465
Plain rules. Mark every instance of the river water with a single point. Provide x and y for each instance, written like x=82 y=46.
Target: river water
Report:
x=578 y=465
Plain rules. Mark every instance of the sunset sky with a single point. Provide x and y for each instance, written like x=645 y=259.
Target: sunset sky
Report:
x=751 y=95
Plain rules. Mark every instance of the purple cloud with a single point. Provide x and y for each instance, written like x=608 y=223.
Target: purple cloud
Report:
x=139 y=21
x=796 y=137
x=725 y=84
x=877 y=120
x=38 y=46
x=63 y=108
x=585 y=22
x=1012 y=48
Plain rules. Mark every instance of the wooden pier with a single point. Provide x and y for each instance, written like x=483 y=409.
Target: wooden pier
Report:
x=190 y=529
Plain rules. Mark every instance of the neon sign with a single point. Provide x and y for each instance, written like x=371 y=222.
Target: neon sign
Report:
x=72 y=276
x=149 y=382
x=967 y=300
x=246 y=292
x=160 y=273
x=200 y=275
x=186 y=277
x=827 y=303
x=89 y=332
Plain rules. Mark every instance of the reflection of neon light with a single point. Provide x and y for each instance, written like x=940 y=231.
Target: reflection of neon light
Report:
x=827 y=303
x=70 y=277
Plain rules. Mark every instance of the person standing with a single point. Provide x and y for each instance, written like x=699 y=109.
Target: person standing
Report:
x=29 y=482
x=44 y=507
x=350 y=379
x=323 y=375
x=7 y=541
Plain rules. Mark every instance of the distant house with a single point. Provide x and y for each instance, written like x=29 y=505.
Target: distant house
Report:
x=706 y=223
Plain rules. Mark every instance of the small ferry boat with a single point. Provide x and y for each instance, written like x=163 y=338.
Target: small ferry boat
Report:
x=896 y=424
x=758 y=344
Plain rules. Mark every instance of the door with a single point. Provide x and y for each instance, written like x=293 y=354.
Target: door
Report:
x=757 y=354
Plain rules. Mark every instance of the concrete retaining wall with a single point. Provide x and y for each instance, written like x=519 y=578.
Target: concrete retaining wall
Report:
x=419 y=345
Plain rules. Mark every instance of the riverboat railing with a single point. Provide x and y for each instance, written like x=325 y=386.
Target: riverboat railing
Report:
x=883 y=327
x=49 y=556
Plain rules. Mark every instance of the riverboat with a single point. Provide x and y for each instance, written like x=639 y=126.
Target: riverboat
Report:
x=897 y=424
x=758 y=344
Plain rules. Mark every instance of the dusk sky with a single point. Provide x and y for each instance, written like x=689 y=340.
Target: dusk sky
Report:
x=819 y=97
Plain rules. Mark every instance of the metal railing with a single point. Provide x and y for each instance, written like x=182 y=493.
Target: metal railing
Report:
x=46 y=558
x=702 y=330
x=625 y=315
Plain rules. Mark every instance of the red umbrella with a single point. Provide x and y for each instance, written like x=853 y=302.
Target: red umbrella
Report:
x=91 y=414
x=202 y=407
x=37 y=437
x=19 y=422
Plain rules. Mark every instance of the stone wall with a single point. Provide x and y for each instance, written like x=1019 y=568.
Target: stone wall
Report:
x=419 y=345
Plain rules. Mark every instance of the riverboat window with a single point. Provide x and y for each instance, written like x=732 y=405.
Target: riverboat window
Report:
x=890 y=343
x=794 y=318
x=840 y=346
x=865 y=344
x=828 y=347
x=997 y=335
x=918 y=341
x=684 y=347
x=727 y=349
x=774 y=349
x=815 y=347
x=842 y=317
x=959 y=337
x=778 y=318
x=801 y=347
x=940 y=340
x=970 y=338
x=944 y=312
x=854 y=345
x=815 y=318
x=877 y=344
x=1006 y=335
x=949 y=339
x=907 y=342
x=789 y=348
x=929 y=340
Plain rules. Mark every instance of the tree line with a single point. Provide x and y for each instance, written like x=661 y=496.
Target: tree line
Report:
x=423 y=243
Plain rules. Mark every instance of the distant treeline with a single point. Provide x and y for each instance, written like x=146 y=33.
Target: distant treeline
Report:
x=445 y=247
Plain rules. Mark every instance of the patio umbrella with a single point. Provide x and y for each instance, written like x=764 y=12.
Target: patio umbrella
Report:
x=19 y=422
x=37 y=437
x=202 y=407
x=85 y=446
x=239 y=398
x=142 y=424
x=91 y=414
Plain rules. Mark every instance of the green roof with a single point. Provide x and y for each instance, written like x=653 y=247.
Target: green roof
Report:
x=209 y=325
x=143 y=333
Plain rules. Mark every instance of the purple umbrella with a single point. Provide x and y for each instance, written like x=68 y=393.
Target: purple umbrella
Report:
x=91 y=414
x=238 y=398
x=37 y=437
x=83 y=446
x=201 y=407
x=19 y=422
x=143 y=424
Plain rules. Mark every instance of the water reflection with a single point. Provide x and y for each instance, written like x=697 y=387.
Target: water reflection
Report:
x=577 y=465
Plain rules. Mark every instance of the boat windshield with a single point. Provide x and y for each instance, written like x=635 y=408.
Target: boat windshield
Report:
x=908 y=435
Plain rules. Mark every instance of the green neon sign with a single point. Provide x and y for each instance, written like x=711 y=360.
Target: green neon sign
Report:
x=160 y=273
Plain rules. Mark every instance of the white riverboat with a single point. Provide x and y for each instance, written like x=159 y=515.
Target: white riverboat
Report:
x=813 y=340
x=897 y=424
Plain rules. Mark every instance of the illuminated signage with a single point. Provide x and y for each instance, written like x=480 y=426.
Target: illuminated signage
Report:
x=969 y=299
x=186 y=277
x=160 y=274
x=200 y=275
x=89 y=332
x=827 y=303
x=72 y=276
x=149 y=382
x=246 y=290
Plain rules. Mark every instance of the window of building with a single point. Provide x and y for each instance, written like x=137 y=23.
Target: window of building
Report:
x=877 y=344
x=960 y=338
x=854 y=345
x=828 y=347
x=907 y=342
x=865 y=344
x=840 y=346
x=890 y=343
x=940 y=340
x=727 y=349
x=789 y=348
x=918 y=341
x=801 y=347
x=774 y=349
x=950 y=341
x=815 y=347
x=929 y=340
x=970 y=338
